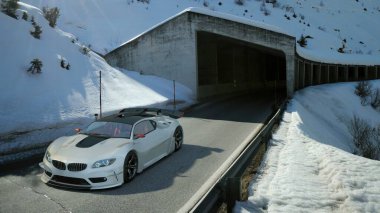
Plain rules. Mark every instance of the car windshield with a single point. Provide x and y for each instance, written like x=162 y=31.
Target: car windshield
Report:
x=108 y=129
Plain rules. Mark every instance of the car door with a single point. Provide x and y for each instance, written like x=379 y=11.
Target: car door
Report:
x=149 y=145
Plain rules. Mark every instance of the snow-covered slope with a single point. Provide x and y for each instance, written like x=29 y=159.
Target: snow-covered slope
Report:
x=57 y=98
x=330 y=22
x=309 y=166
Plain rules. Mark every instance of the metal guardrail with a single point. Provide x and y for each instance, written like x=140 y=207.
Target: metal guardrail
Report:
x=228 y=188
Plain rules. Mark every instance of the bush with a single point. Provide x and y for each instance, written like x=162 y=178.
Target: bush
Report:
x=36 y=66
x=341 y=49
x=303 y=40
x=25 y=16
x=9 y=7
x=376 y=140
x=85 y=50
x=205 y=3
x=37 y=31
x=33 y=21
x=375 y=99
x=239 y=2
x=363 y=89
x=144 y=1
x=65 y=64
x=51 y=14
x=361 y=132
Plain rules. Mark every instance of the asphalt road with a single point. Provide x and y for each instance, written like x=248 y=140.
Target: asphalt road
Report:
x=212 y=132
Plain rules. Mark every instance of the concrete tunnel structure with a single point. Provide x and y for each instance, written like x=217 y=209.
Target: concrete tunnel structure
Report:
x=213 y=54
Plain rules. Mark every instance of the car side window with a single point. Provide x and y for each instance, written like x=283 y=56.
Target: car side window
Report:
x=154 y=124
x=144 y=127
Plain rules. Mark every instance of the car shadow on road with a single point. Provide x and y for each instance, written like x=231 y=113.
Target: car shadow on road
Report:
x=162 y=174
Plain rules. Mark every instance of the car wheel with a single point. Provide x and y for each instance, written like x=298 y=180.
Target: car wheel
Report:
x=130 y=167
x=178 y=138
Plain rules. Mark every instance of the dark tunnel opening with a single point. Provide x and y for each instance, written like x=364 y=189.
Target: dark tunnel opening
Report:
x=227 y=66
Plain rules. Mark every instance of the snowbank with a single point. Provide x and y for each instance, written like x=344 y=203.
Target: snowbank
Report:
x=330 y=23
x=58 y=99
x=309 y=166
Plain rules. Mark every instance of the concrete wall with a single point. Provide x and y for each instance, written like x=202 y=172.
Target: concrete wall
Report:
x=313 y=73
x=170 y=50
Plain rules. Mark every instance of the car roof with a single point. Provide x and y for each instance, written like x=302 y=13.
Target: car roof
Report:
x=126 y=118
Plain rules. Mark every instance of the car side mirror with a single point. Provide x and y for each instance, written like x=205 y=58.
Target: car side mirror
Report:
x=77 y=130
x=137 y=136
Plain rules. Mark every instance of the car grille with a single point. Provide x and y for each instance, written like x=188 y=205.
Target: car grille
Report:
x=75 y=167
x=59 y=165
x=70 y=180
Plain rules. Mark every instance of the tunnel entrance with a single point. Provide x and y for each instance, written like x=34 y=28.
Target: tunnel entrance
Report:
x=227 y=65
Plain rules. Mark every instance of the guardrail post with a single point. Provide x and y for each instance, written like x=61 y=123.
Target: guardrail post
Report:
x=233 y=192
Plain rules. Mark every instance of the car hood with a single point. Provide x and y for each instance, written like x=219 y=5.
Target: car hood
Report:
x=85 y=148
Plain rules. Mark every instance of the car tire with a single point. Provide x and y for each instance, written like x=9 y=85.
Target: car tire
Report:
x=130 y=167
x=178 y=138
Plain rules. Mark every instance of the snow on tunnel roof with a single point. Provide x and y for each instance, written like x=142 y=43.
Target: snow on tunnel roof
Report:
x=216 y=14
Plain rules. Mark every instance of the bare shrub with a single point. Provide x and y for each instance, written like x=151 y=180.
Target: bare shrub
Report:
x=365 y=138
x=375 y=99
x=376 y=142
x=364 y=89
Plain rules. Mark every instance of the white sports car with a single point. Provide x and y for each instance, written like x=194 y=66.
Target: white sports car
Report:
x=112 y=150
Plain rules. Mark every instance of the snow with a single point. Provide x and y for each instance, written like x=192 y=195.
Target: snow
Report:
x=58 y=100
x=328 y=22
x=309 y=166
x=225 y=16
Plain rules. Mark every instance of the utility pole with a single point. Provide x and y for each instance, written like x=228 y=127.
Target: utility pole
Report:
x=174 y=103
x=100 y=93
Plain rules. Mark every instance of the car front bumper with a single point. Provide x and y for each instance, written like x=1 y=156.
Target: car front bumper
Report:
x=90 y=178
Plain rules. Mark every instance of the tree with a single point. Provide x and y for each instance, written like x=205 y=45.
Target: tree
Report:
x=37 y=31
x=9 y=7
x=33 y=21
x=51 y=14
x=36 y=66
x=25 y=16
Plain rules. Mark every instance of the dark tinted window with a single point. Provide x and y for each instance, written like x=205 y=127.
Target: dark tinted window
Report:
x=144 y=127
x=108 y=129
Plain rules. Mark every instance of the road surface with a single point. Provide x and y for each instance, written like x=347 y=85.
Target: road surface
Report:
x=212 y=132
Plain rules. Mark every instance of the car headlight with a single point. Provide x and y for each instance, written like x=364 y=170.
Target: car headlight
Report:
x=103 y=163
x=48 y=156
